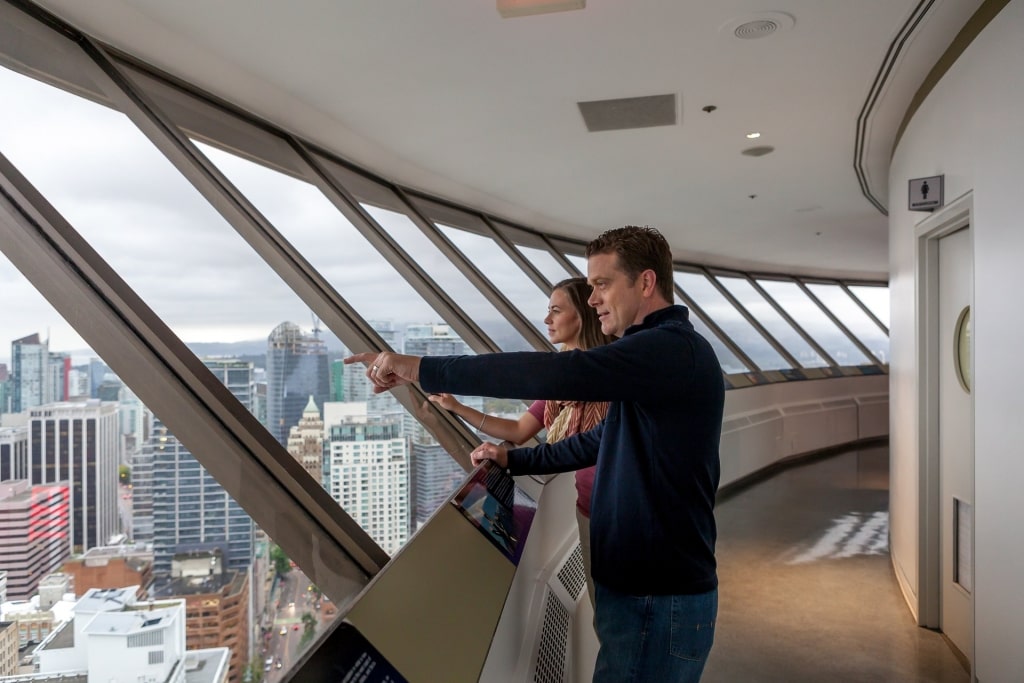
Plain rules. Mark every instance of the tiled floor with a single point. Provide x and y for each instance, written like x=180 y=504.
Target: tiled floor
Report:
x=807 y=591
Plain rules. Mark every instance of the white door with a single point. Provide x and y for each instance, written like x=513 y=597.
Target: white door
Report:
x=956 y=453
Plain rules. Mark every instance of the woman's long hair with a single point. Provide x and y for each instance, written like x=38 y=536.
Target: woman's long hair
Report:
x=578 y=291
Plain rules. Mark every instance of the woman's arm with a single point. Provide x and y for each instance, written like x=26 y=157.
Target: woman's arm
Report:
x=516 y=431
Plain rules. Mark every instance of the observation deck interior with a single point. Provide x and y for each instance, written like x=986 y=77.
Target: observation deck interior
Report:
x=449 y=154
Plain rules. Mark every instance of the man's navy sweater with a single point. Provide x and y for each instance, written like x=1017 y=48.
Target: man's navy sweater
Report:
x=652 y=524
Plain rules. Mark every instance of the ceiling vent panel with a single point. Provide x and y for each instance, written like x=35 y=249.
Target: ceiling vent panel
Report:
x=629 y=112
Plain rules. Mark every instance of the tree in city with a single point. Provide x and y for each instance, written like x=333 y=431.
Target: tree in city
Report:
x=281 y=564
x=253 y=671
x=124 y=474
x=309 y=622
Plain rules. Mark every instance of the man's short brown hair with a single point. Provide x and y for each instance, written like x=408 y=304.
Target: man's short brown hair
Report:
x=639 y=249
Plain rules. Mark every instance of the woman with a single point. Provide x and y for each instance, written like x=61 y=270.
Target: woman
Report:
x=573 y=325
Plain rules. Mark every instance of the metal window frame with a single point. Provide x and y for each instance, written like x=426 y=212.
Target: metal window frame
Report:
x=754 y=322
x=170 y=380
x=713 y=326
x=838 y=323
x=825 y=355
x=867 y=311
x=492 y=294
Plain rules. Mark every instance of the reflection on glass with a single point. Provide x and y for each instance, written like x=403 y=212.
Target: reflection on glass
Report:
x=503 y=273
x=731 y=321
x=876 y=299
x=773 y=322
x=543 y=261
x=813 y=320
x=449 y=278
x=854 y=318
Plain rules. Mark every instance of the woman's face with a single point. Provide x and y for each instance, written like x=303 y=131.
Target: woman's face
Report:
x=562 y=320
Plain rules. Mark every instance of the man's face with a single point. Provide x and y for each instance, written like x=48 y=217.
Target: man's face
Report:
x=618 y=301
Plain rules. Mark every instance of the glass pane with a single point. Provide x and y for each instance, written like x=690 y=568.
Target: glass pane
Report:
x=369 y=440
x=141 y=215
x=450 y=279
x=731 y=321
x=813 y=320
x=855 y=320
x=508 y=277
x=726 y=358
x=545 y=263
x=308 y=220
x=773 y=322
x=876 y=299
x=194 y=271
x=579 y=262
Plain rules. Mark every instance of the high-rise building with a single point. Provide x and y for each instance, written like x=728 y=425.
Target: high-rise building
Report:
x=79 y=444
x=434 y=474
x=306 y=441
x=177 y=504
x=58 y=376
x=13 y=453
x=98 y=373
x=30 y=359
x=190 y=509
x=33 y=534
x=236 y=375
x=369 y=471
x=5 y=389
x=297 y=368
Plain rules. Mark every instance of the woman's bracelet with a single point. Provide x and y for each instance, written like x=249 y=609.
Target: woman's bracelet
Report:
x=482 y=420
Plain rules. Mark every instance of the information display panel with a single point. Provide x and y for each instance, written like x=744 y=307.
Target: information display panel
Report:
x=497 y=507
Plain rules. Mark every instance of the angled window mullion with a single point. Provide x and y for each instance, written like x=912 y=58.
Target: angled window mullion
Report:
x=517 y=256
x=754 y=322
x=250 y=465
x=393 y=253
x=796 y=326
x=838 y=323
x=725 y=339
x=250 y=224
x=864 y=308
x=505 y=307
x=561 y=258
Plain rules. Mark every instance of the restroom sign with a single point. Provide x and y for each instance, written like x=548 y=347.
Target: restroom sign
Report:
x=925 y=194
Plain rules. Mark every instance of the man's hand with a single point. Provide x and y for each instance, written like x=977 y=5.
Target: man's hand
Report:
x=387 y=370
x=490 y=451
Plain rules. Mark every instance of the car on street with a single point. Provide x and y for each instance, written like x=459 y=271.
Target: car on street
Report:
x=284 y=630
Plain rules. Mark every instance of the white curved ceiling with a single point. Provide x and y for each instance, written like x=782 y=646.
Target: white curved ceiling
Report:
x=448 y=97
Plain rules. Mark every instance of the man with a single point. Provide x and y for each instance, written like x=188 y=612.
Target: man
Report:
x=652 y=521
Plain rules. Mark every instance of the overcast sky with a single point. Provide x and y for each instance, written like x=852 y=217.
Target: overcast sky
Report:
x=182 y=257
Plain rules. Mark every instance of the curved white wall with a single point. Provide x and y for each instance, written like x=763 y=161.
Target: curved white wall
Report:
x=968 y=129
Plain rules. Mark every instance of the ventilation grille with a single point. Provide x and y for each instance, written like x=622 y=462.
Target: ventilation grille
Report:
x=551 y=653
x=572 y=576
x=629 y=112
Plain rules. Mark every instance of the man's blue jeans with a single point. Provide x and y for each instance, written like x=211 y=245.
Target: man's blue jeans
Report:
x=653 y=638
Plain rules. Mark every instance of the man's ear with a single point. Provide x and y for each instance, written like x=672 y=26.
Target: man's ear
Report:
x=648 y=282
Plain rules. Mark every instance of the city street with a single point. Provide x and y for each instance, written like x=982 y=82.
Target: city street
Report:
x=293 y=599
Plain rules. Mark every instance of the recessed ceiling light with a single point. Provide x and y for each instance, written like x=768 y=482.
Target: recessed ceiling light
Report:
x=753 y=135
